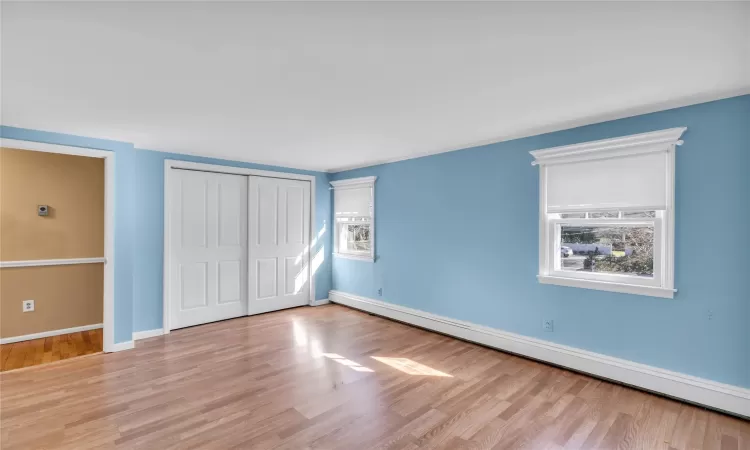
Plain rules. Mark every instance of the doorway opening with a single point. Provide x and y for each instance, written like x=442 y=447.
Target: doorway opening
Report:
x=56 y=253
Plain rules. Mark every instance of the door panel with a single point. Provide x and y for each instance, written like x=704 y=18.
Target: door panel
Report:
x=193 y=198
x=266 y=213
x=295 y=213
x=279 y=229
x=230 y=281
x=208 y=247
x=266 y=278
x=194 y=279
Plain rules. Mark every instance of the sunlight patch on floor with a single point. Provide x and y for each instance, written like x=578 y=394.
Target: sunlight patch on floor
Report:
x=347 y=362
x=410 y=367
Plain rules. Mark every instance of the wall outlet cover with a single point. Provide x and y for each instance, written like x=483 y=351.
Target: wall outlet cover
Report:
x=28 y=305
x=548 y=325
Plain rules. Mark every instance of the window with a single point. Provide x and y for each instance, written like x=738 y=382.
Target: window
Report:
x=353 y=205
x=607 y=214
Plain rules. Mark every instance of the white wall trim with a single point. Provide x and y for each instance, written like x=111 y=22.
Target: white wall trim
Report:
x=651 y=291
x=323 y=301
x=654 y=141
x=176 y=164
x=138 y=335
x=109 y=220
x=732 y=399
x=230 y=158
x=369 y=258
x=120 y=346
x=44 y=334
x=354 y=182
x=53 y=148
x=51 y=262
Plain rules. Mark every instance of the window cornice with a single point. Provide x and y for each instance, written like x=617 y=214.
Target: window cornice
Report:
x=353 y=182
x=654 y=141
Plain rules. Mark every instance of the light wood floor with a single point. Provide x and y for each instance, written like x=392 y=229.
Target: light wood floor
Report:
x=321 y=378
x=45 y=350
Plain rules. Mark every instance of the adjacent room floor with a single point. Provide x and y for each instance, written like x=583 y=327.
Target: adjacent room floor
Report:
x=334 y=378
x=50 y=349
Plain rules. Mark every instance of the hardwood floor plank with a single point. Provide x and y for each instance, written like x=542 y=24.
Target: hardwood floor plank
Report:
x=54 y=348
x=308 y=378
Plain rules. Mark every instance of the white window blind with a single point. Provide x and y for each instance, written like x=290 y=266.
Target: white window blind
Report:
x=353 y=201
x=636 y=182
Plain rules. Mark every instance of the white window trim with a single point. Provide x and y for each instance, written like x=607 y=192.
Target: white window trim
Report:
x=657 y=141
x=354 y=183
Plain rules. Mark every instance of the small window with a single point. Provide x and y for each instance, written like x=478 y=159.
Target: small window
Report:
x=607 y=250
x=353 y=204
x=607 y=214
x=354 y=236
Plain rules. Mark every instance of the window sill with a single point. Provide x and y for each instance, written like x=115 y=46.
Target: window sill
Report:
x=355 y=257
x=650 y=291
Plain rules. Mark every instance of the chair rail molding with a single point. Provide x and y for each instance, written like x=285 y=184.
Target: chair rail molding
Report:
x=52 y=262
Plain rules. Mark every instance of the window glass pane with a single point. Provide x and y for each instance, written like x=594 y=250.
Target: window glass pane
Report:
x=352 y=219
x=608 y=249
x=604 y=215
x=581 y=215
x=638 y=214
x=354 y=238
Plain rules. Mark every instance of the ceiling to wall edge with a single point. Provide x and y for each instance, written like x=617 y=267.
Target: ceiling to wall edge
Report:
x=533 y=131
x=567 y=125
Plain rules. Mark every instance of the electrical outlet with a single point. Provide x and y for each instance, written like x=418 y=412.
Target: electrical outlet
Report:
x=548 y=325
x=710 y=315
x=28 y=305
x=380 y=292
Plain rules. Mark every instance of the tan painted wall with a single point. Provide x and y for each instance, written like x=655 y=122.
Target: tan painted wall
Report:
x=64 y=297
x=73 y=188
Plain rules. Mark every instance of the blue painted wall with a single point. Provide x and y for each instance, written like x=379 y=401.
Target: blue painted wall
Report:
x=457 y=235
x=139 y=225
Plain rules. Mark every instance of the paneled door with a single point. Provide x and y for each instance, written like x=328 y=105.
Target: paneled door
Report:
x=208 y=247
x=279 y=236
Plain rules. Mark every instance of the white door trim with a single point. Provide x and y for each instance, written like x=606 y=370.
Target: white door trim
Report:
x=109 y=222
x=176 y=164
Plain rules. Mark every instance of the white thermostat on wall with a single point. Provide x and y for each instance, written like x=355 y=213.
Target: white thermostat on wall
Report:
x=42 y=210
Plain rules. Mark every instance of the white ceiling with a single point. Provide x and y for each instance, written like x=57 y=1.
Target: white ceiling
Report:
x=328 y=86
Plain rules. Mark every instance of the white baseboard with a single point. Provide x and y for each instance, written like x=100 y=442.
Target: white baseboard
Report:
x=732 y=399
x=324 y=301
x=138 y=335
x=44 y=334
x=119 y=346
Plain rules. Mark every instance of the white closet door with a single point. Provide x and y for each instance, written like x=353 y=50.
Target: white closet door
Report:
x=208 y=247
x=279 y=237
